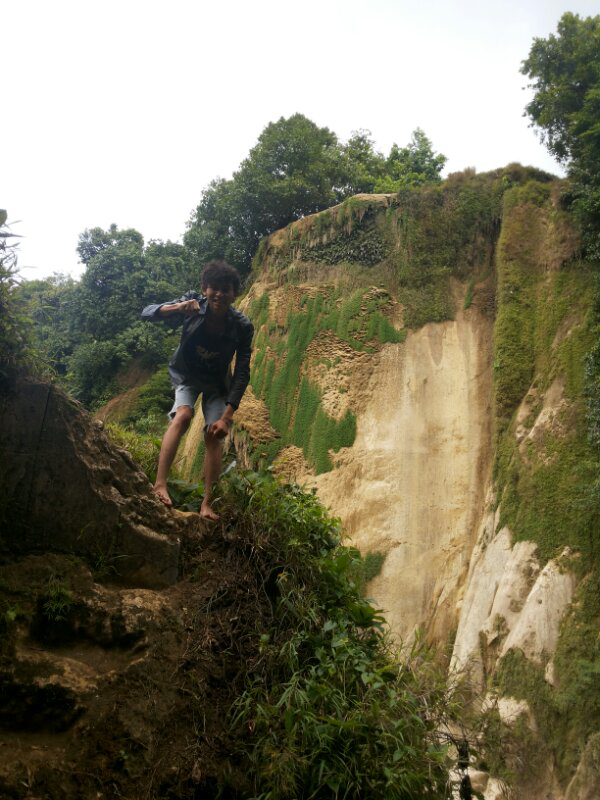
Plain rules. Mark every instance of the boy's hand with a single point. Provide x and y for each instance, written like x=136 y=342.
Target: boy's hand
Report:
x=220 y=428
x=189 y=307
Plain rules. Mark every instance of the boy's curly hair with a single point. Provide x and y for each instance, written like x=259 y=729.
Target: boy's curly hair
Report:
x=220 y=275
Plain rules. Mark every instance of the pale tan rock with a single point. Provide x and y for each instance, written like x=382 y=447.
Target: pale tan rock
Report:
x=550 y=673
x=510 y=709
x=413 y=484
x=549 y=419
x=488 y=563
x=516 y=580
x=536 y=630
x=479 y=779
x=496 y=790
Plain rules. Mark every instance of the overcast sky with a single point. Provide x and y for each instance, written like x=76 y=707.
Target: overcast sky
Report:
x=123 y=111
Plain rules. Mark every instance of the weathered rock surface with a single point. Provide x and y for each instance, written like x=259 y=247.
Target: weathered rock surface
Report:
x=535 y=629
x=413 y=484
x=112 y=692
x=66 y=487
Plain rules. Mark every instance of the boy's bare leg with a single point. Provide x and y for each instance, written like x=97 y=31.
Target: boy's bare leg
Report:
x=177 y=427
x=212 y=469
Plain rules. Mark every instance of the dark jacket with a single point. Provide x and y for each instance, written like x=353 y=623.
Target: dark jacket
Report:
x=238 y=334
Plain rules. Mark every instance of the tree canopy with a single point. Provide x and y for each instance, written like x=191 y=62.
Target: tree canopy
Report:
x=297 y=168
x=565 y=74
x=88 y=330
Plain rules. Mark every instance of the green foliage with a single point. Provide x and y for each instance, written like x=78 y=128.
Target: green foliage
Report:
x=93 y=368
x=185 y=495
x=364 y=244
x=290 y=172
x=366 y=170
x=565 y=70
x=547 y=493
x=9 y=614
x=152 y=403
x=57 y=600
x=90 y=330
x=259 y=310
x=547 y=500
x=569 y=713
x=294 y=404
x=143 y=448
x=331 y=713
x=429 y=303
x=411 y=166
x=17 y=351
x=296 y=169
x=565 y=74
x=386 y=331
x=318 y=450
x=49 y=303
x=514 y=346
x=592 y=376
x=469 y=294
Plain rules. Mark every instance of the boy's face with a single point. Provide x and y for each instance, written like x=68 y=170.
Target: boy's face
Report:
x=219 y=298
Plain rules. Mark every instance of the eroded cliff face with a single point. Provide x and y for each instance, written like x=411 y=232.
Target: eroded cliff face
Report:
x=412 y=484
x=436 y=345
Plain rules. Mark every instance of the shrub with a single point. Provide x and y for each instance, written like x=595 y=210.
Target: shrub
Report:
x=331 y=713
x=152 y=403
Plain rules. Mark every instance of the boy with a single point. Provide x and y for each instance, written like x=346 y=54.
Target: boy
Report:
x=212 y=333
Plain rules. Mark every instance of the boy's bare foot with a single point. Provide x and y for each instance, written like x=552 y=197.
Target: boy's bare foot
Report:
x=162 y=494
x=206 y=512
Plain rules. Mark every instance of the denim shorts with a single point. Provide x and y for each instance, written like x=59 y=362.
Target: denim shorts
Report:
x=213 y=401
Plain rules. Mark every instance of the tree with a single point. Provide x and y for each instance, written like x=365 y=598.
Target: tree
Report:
x=297 y=168
x=50 y=303
x=565 y=74
x=290 y=172
x=411 y=166
x=362 y=165
x=90 y=329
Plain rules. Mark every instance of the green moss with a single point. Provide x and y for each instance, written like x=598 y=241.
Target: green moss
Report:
x=259 y=310
x=511 y=753
x=566 y=715
x=294 y=405
x=364 y=244
x=429 y=303
x=548 y=485
x=544 y=500
x=577 y=667
x=517 y=275
x=543 y=330
x=469 y=294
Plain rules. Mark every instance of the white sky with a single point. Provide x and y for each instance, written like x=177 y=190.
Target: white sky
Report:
x=123 y=111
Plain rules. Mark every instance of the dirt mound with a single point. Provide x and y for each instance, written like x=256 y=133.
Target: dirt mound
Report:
x=66 y=487
x=108 y=692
